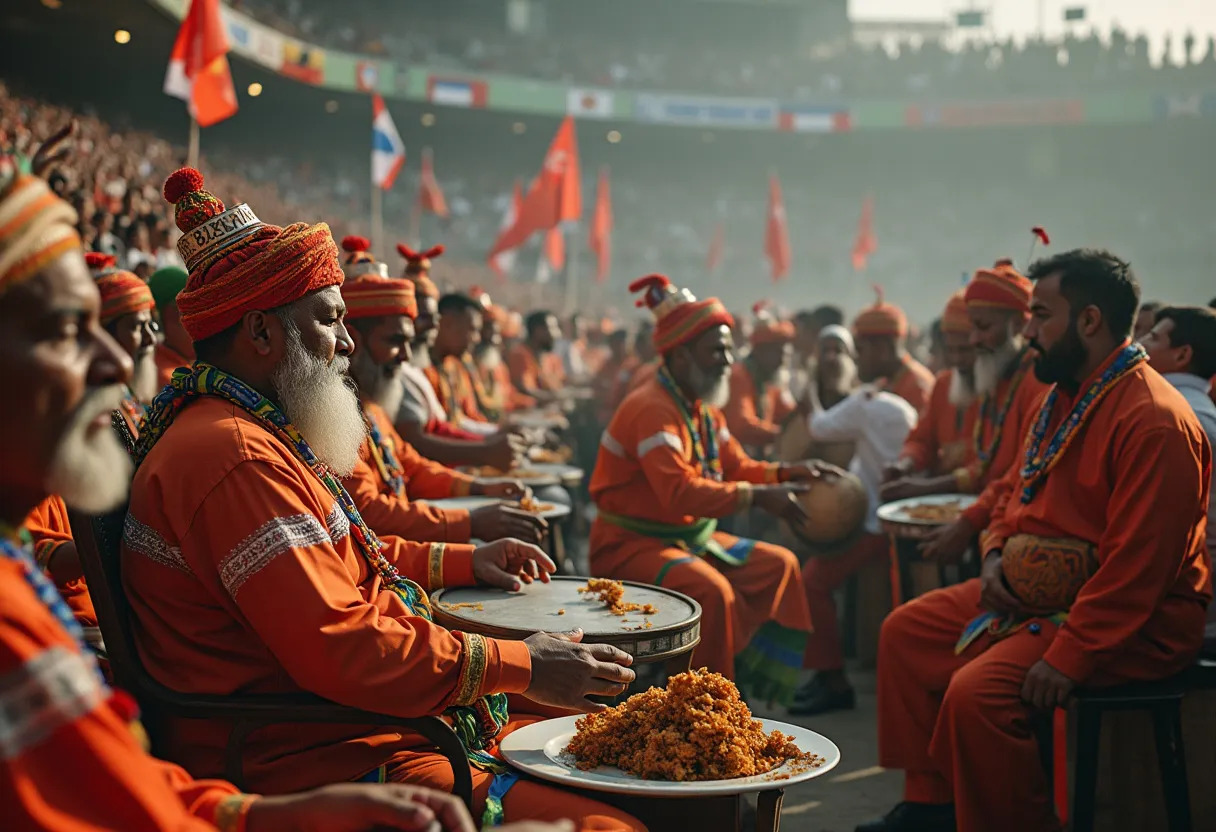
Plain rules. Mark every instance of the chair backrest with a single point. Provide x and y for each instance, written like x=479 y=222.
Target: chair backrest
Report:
x=98 y=544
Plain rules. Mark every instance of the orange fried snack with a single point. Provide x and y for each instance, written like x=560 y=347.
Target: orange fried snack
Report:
x=698 y=728
x=531 y=504
x=612 y=593
x=935 y=512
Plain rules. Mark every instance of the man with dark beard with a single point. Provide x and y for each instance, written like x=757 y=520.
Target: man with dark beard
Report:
x=71 y=757
x=1104 y=522
x=998 y=304
x=249 y=567
x=380 y=315
x=536 y=369
x=936 y=457
x=667 y=468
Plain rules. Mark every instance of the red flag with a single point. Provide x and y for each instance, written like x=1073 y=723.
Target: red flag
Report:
x=777 y=235
x=601 y=227
x=555 y=248
x=555 y=195
x=865 y=244
x=717 y=245
x=198 y=70
x=430 y=195
x=503 y=262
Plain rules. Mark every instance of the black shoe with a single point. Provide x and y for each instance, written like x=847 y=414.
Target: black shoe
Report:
x=809 y=691
x=822 y=700
x=914 y=817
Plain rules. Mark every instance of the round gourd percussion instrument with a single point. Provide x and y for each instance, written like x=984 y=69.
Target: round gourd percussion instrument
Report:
x=837 y=508
x=674 y=629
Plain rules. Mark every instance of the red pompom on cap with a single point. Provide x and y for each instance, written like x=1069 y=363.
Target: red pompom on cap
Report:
x=99 y=260
x=353 y=243
x=656 y=287
x=1041 y=233
x=182 y=182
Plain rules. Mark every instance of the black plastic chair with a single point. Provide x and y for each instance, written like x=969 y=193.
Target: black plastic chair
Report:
x=1163 y=700
x=97 y=541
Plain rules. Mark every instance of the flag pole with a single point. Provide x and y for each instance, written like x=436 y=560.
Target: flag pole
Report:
x=377 y=217
x=192 y=149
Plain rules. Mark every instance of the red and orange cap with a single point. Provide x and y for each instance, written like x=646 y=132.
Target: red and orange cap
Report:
x=1002 y=287
x=679 y=316
x=122 y=292
x=882 y=320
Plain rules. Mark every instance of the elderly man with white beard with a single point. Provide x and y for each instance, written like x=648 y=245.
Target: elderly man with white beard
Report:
x=998 y=303
x=380 y=314
x=250 y=568
x=71 y=759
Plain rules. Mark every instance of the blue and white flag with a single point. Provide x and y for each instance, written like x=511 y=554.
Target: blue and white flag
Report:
x=388 y=151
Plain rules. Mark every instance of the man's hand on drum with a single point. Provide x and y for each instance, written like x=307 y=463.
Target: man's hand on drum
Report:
x=565 y=671
x=810 y=470
x=501 y=520
x=948 y=543
x=781 y=501
x=505 y=563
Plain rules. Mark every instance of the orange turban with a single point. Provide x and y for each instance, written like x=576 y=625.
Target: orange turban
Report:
x=239 y=264
x=418 y=268
x=955 y=319
x=359 y=258
x=679 y=316
x=372 y=296
x=768 y=329
x=36 y=227
x=1002 y=286
x=882 y=320
x=122 y=292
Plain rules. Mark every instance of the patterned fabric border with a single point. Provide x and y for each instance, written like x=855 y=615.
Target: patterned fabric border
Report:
x=336 y=523
x=473 y=672
x=232 y=811
x=148 y=542
x=435 y=566
x=270 y=540
x=54 y=688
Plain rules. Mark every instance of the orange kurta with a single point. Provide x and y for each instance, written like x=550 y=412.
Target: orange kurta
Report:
x=755 y=416
x=244 y=577
x=71 y=762
x=608 y=385
x=453 y=386
x=167 y=360
x=498 y=383
x=530 y=373
x=391 y=511
x=942 y=440
x=643 y=374
x=912 y=382
x=48 y=526
x=645 y=471
x=956 y=724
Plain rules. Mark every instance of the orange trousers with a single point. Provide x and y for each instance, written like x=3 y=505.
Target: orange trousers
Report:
x=526 y=800
x=735 y=600
x=821 y=577
x=957 y=725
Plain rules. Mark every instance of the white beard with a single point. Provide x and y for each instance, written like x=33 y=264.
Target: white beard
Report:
x=489 y=359
x=991 y=367
x=377 y=384
x=962 y=392
x=719 y=395
x=420 y=356
x=145 y=381
x=90 y=470
x=320 y=402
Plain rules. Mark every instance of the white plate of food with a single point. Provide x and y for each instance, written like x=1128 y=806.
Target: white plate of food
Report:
x=918 y=516
x=549 y=749
x=549 y=511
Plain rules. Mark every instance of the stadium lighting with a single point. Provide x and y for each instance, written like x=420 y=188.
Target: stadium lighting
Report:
x=518 y=128
x=53 y=4
x=122 y=36
x=614 y=137
x=331 y=106
x=428 y=119
x=255 y=89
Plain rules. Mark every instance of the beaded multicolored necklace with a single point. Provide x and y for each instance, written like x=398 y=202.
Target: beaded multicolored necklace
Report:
x=386 y=461
x=985 y=453
x=704 y=440
x=478 y=724
x=1040 y=461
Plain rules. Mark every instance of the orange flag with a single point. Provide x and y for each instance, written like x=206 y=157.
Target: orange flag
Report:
x=555 y=248
x=555 y=195
x=777 y=235
x=430 y=195
x=601 y=227
x=198 y=70
x=865 y=244
x=717 y=246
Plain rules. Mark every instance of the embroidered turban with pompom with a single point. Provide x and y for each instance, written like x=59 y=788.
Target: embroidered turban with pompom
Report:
x=122 y=292
x=679 y=316
x=1002 y=287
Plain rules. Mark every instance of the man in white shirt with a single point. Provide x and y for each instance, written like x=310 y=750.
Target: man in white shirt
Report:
x=1182 y=347
x=878 y=422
